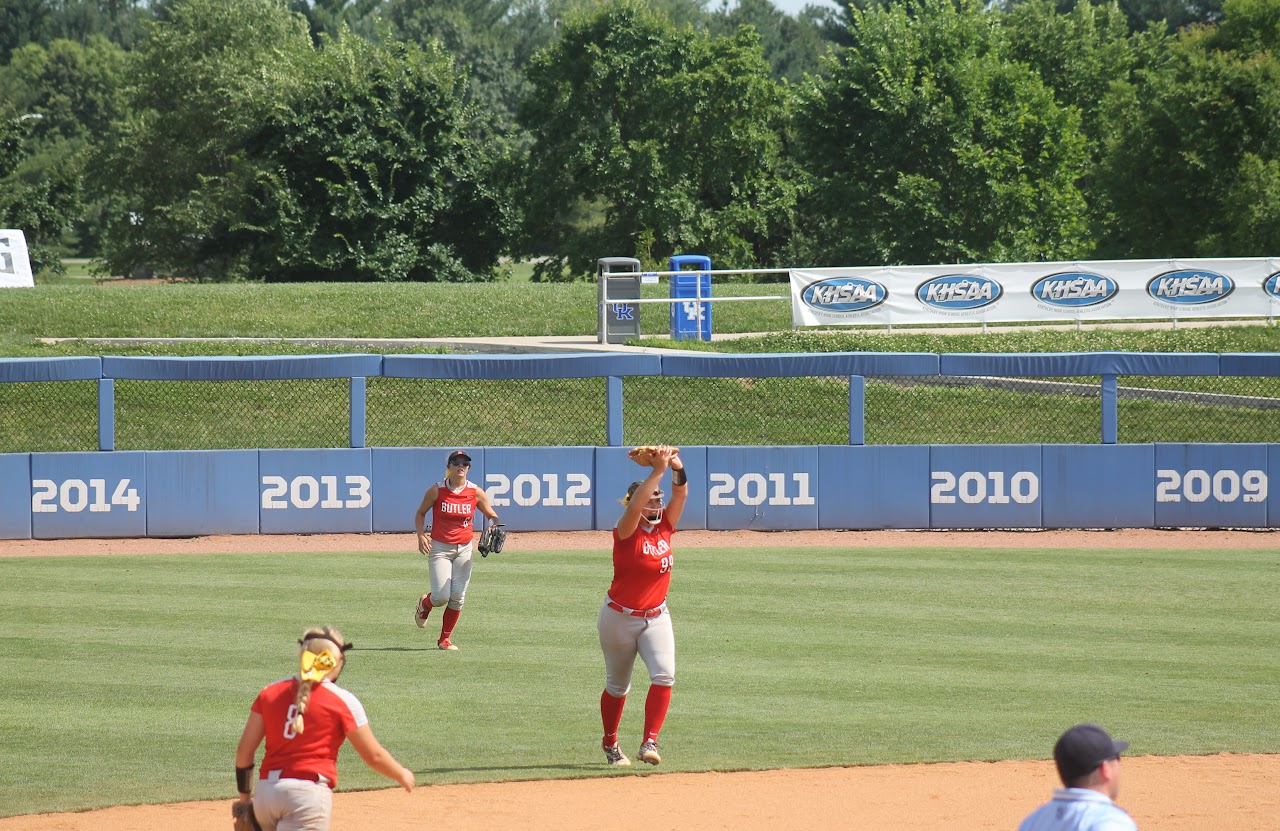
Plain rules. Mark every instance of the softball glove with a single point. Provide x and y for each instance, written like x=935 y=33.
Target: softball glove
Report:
x=492 y=540
x=242 y=814
x=645 y=454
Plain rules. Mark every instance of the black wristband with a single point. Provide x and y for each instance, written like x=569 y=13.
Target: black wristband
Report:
x=244 y=779
x=678 y=477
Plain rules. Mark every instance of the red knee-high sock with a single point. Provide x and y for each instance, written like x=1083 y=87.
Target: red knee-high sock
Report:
x=655 y=710
x=611 y=716
x=450 y=620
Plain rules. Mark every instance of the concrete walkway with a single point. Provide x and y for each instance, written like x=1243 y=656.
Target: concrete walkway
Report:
x=590 y=343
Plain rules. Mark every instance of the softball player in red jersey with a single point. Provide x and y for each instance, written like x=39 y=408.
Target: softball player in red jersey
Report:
x=304 y=720
x=634 y=618
x=452 y=504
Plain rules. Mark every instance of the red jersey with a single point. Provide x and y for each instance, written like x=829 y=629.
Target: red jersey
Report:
x=452 y=513
x=642 y=566
x=331 y=714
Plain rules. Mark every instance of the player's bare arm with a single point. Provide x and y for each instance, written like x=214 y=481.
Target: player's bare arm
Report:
x=484 y=506
x=420 y=518
x=376 y=757
x=255 y=730
x=630 y=520
x=679 y=489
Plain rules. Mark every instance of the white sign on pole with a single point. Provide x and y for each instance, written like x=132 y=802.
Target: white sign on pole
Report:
x=15 y=266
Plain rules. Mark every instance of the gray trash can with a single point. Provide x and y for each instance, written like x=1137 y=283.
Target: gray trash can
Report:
x=618 y=322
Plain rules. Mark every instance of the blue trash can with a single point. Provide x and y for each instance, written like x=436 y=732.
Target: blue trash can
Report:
x=690 y=319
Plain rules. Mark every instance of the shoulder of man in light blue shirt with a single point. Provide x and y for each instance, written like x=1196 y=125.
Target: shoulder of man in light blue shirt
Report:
x=1079 y=809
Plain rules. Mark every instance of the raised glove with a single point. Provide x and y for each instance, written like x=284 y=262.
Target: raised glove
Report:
x=645 y=454
x=242 y=813
x=492 y=540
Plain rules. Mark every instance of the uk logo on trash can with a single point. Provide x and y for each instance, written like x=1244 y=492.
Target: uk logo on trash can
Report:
x=624 y=311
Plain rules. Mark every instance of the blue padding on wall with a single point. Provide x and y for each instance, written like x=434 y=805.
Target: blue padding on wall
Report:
x=1075 y=364
x=1097 y=486
x=1258 y=363
x=488 y=367
x=1273 y=475
x=197 y=492
x=242 y=368
x=315 y=491
x=403 y=475
x=799 y=365
x=615 y=472
x=762 y=488
x=50 y=369
x=77 y=495
x=1211 y=485
x=15 y=496
x=873 y=487
x=541 y=488
x=985 y=486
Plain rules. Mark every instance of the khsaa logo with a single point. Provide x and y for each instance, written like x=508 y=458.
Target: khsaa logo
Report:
x=959 y=291
x=844 y=294
x=1190 y=287
x=1272 y=285
x=1074 y=289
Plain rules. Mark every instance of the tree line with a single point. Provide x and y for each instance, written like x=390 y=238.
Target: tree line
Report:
x=435 y=140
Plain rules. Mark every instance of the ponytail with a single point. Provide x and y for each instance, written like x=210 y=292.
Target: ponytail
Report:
x=321 y=659
x=300 y=705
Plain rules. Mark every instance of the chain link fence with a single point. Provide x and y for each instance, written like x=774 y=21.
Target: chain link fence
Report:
x=48 y=417
x=561 y=412
x=208 y=415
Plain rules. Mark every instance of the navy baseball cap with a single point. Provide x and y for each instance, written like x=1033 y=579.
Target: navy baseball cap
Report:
x=1083 y=748
x=458 y=454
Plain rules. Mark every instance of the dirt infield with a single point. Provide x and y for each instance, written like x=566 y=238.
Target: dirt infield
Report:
x=1202 y=793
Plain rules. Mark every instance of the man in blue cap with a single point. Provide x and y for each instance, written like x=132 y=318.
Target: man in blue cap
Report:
x=1088 y=763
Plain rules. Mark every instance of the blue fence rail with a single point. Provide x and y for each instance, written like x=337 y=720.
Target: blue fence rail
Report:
x=855 y=366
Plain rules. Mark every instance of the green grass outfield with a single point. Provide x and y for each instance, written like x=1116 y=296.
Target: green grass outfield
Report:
x=128 y=678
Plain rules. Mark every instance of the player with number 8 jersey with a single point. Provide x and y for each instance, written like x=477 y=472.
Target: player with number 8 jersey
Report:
x=634 y=619
x=304 y=720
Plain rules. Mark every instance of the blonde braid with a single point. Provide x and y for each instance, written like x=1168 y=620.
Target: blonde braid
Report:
x=300 y=704
x=318 y=641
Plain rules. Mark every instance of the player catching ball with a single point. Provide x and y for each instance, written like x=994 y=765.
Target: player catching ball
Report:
x=634 y=618
x=452 y=503
x=304 y=720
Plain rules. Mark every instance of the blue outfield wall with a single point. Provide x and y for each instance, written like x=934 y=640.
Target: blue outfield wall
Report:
x=192 y=493
x=360 y=489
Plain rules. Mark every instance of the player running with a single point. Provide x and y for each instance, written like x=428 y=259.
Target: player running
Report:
x=634 y=618
x=452 y=503
x=304 y=720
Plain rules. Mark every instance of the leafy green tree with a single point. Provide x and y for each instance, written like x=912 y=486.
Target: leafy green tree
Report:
x=651 y=140
x=44 y=21
x=792 y=45
x=248 y=153
x=76 y=92
x=329 y=17
x=40 y=203
x=22 y=22
x=483 y=38
x=76 y=89
x=1081 y=53
x=1193 y=144
x=370 y=172
x=1167 y=16
x=925 y=144
x=1154 y=16
x=174 y=169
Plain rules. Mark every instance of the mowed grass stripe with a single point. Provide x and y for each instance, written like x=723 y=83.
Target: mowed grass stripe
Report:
x=130 y=677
